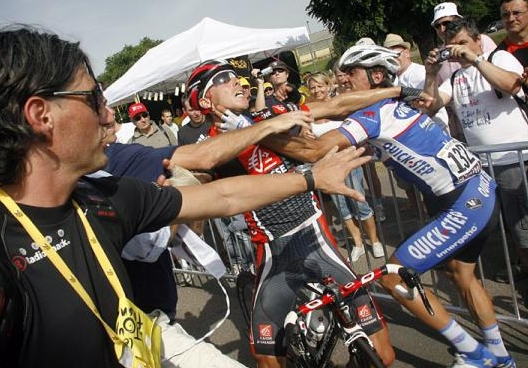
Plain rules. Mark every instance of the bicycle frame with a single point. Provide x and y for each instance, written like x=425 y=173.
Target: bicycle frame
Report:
x=332 y=299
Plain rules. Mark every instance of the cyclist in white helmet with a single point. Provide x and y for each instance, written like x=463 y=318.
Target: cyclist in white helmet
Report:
x=459 y=197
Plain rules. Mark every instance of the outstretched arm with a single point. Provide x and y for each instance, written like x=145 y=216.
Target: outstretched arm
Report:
x=222 y=148
x=227 y=197
x=348 y=102
x=303 y=149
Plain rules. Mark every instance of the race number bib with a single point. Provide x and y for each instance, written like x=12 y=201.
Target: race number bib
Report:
x=140 y=337
x=461 y=162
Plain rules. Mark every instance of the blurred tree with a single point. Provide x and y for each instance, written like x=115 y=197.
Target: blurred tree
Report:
x=119 y=63
x=351 y=20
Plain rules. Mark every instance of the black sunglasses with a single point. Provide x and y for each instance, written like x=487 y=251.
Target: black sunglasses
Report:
x=143 y=115
x=268 y=89
x=278 y=70
x=95 y=96
x=440 y=24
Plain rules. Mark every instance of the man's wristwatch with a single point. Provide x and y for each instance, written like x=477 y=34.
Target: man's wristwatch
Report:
x=306 y=171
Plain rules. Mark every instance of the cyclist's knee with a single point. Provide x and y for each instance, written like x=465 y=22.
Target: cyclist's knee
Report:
x=462 y=274
x=270 y=361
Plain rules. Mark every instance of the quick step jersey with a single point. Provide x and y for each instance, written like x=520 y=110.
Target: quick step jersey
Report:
x=411 y=144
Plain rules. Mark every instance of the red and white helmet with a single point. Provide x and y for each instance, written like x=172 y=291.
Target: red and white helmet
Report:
x=201 y=76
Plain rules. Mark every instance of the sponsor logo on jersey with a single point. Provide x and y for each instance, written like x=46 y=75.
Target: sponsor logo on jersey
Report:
x=266 y=334
x=407 y=159
x=403 y=111
x=484 y=184
x=438 y=236
x=265 y=331
x=369 y=114
x=364 y=312
x=279 y=109
x=473 y=203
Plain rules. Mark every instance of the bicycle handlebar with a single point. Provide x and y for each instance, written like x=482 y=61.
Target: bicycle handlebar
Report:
x=408 y=275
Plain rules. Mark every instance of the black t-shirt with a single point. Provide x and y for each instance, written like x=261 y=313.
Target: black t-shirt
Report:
x=189 y=134
x=59 y=329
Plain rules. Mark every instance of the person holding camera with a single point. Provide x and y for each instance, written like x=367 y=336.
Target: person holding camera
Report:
x=483 y=95
x=444 y=13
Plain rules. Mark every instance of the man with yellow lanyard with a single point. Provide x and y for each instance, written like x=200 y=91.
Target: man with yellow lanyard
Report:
x=59 y=250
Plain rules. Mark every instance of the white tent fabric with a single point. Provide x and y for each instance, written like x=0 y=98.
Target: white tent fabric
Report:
x=170 y=62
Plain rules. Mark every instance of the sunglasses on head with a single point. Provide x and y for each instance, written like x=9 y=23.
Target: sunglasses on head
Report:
x=143 y=115
x=95 y=97
x=445 y=23
x=219 y=78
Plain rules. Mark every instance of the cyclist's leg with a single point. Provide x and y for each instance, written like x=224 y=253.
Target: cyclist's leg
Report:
x=330 y=262
x=279 y=277
x=474 y=211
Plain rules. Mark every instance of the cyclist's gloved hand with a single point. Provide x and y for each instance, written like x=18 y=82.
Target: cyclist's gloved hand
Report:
x=232 y=121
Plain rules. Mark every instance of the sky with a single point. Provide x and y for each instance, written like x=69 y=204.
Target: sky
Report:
x=104 y=27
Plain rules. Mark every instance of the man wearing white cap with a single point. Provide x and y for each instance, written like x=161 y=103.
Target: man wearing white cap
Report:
x=443 y=14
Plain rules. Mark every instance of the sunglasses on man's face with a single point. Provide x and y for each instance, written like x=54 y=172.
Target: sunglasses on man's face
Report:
x=143 y=115
x=445 y=23
x=95 y=97
x=220 y=78
x=268 y=89
x=277 y=71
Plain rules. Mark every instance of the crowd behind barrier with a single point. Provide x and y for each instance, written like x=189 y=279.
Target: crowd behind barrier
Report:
x=234 y=247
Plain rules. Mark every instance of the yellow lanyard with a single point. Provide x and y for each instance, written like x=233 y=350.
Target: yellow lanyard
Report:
x=119 y=343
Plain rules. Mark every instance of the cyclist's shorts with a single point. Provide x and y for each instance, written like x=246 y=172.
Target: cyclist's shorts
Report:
x=460 y=224
x=286 y=265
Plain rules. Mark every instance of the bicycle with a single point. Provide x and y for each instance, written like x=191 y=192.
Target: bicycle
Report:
x=313 y=328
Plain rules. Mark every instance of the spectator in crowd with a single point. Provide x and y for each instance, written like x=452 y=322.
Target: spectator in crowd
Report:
x=279 y=79
x=245 y=87
x=293 y=243
x=268 y=89
x=486 y=117
x=167 y=122
x=198 y=127
x=54 y=124
x=443 y=14
x=147 y=133
x=398 y=131
x=178 y=117
x=515 y=19
x=320 y=88
x=124 y=131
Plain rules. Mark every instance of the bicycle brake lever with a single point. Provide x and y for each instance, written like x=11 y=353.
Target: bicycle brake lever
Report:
x=412 y=280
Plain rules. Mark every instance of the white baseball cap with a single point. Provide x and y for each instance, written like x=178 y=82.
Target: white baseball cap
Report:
x=445 y=10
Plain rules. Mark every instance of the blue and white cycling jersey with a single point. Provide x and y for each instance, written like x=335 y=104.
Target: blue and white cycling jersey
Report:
x=411 y=144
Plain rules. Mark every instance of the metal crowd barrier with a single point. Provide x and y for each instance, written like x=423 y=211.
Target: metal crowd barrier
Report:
x=237 y=252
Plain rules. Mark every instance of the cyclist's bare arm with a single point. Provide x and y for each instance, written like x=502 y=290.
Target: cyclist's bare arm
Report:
x=303 y=149
x=348 y=102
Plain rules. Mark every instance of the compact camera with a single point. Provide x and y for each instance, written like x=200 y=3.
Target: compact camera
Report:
x=264 y=72
x=443 y=55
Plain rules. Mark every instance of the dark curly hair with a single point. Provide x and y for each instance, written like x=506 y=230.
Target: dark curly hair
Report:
x=32 y=62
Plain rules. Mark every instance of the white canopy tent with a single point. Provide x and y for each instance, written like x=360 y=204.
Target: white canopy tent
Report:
x=165 y=66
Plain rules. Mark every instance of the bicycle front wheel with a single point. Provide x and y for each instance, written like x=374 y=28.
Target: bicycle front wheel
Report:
x=363 y=355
